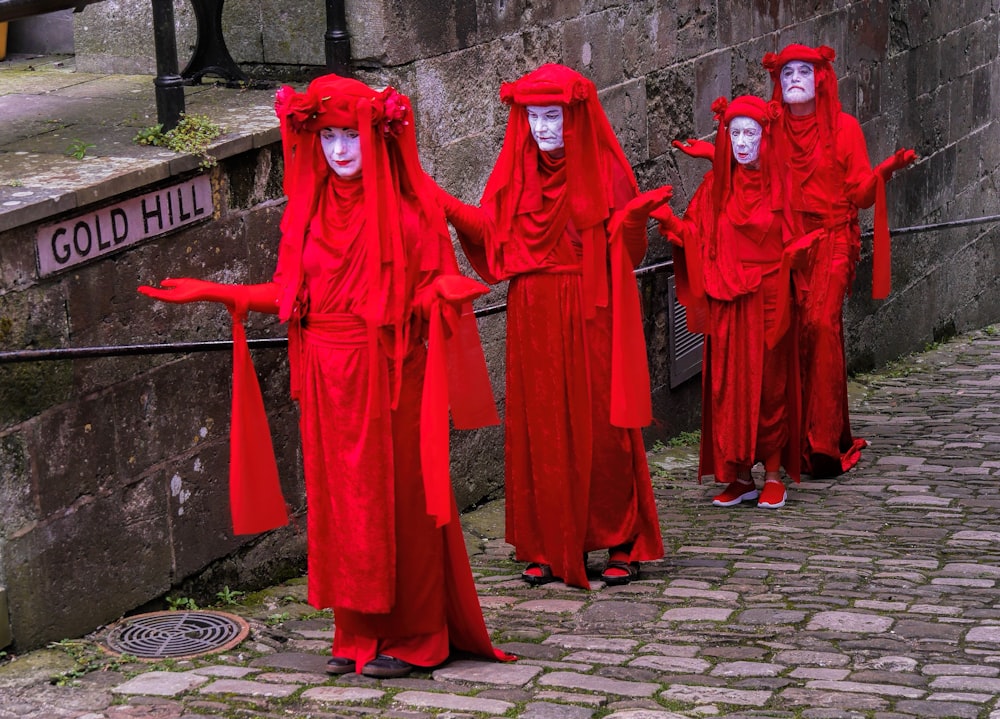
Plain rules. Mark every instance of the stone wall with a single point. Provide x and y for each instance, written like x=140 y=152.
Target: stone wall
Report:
x=915 y=73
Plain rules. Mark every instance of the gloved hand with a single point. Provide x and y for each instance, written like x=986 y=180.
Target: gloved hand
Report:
x=458 y=289
x=696 y=148
x=639 y=207
x=895 y=162
x=180 y=290
x=671 y=225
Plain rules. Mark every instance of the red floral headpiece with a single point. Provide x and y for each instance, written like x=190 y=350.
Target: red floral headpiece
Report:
x=822 y=55
x=548 y=85
x=332 y=101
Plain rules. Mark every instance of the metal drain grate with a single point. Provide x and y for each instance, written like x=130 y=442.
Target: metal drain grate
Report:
x=176 y=635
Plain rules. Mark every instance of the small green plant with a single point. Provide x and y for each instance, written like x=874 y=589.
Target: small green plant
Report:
x=193 y=134
x=88 y=658
x=273 y=619
x=182 y=604
x=12 y=183
x=78 y=149
x=686 y=439
x=228 y=597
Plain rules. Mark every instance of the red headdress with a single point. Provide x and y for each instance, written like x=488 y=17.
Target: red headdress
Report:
x=591 y=151
x=390 y=169
x=763 y=113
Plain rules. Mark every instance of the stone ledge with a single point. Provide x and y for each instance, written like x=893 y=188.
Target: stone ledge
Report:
x=47 y=105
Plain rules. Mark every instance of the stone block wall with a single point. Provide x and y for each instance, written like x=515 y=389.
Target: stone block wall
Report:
x=915 y=73
x=114 y=471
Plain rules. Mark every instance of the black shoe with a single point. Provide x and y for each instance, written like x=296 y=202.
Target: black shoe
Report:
x=385 y=667
x=340 y=665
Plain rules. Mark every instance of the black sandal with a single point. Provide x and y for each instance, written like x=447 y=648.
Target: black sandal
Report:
x=536 y=580
x=631 y=569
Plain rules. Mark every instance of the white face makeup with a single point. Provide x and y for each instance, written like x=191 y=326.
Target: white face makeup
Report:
x=798 y=82
x=744 y=136
x=342 y=150
x=546 y=123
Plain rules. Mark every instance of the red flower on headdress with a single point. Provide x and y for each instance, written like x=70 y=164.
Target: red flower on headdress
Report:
x=770 y=61
x=297 y=108
x=507 y=90
x=773 y=110
x=826 y=52
x=396 y=112
x=719 y=106
x=581 y=91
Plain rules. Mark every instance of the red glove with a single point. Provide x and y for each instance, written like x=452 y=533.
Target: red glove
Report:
x=458 y=289
x=895 y=162
x=696 y=148
x=639 y=207
x=671 y=226
x=180 y=290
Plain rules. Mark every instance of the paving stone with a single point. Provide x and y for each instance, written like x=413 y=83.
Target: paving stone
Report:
x=859 y=687
x=696 y=614
x=556 y=606
x=644 y=714
x=338 y=695
x=712 y=695
x=708 y=595
x=594 y=700
x=839 y=700
x=819 y=673
x=850 y=622
x=679 y=665
x=767 y=617
x=601 y=644
x=479 y=672
x=747 y=669
x=822 y=659
x=549 y=710
x=598 y=658
x=165 y=684
x=244 y=687
x=619 y=613
x=454 y=702
x=984 y=635
x=951 y=710
x=974 y=670
x=298 y=661
x=589 y=682
x=221 y=670
x=989 y=685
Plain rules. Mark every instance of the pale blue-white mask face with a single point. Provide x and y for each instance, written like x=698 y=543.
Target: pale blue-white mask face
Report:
x=546 y=123
x=798 y=82
x=744 y=136
x=342 y=150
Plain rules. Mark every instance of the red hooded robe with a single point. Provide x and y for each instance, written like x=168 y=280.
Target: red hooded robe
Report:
x=577 y=378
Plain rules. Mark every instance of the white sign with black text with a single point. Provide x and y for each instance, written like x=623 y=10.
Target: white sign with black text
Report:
x=81 y=239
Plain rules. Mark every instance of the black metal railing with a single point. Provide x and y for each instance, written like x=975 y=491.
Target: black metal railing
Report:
x=68 y=353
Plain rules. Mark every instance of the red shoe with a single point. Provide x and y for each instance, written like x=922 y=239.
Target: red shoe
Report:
x=773 y=495
x=735 y=493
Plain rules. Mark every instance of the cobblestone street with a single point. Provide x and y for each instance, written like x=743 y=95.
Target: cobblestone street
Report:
x=872 y=595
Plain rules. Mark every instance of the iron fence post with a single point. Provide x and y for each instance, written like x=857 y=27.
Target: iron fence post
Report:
x=168 y=82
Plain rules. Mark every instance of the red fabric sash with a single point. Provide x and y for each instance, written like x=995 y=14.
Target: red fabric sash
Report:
x=881 y=245
x=456 y=376
x=631 y=399
x=255 y=498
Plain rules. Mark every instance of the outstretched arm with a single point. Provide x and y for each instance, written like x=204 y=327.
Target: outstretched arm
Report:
x=634 y=217
x=181 y=290
x=468 y=220
x=692 y=147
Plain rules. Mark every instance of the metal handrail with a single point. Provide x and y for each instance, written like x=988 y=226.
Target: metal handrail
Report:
x=67 y=353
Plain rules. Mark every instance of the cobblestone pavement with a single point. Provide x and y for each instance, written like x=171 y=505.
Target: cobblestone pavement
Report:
x=873 y=595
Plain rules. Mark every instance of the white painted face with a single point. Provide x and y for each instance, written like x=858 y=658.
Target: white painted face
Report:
x=798 y=82
x=546 y=123
x=744 y=136
x=342 y=150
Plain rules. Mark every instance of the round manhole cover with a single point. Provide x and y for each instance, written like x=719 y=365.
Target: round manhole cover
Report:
x=176 y=635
